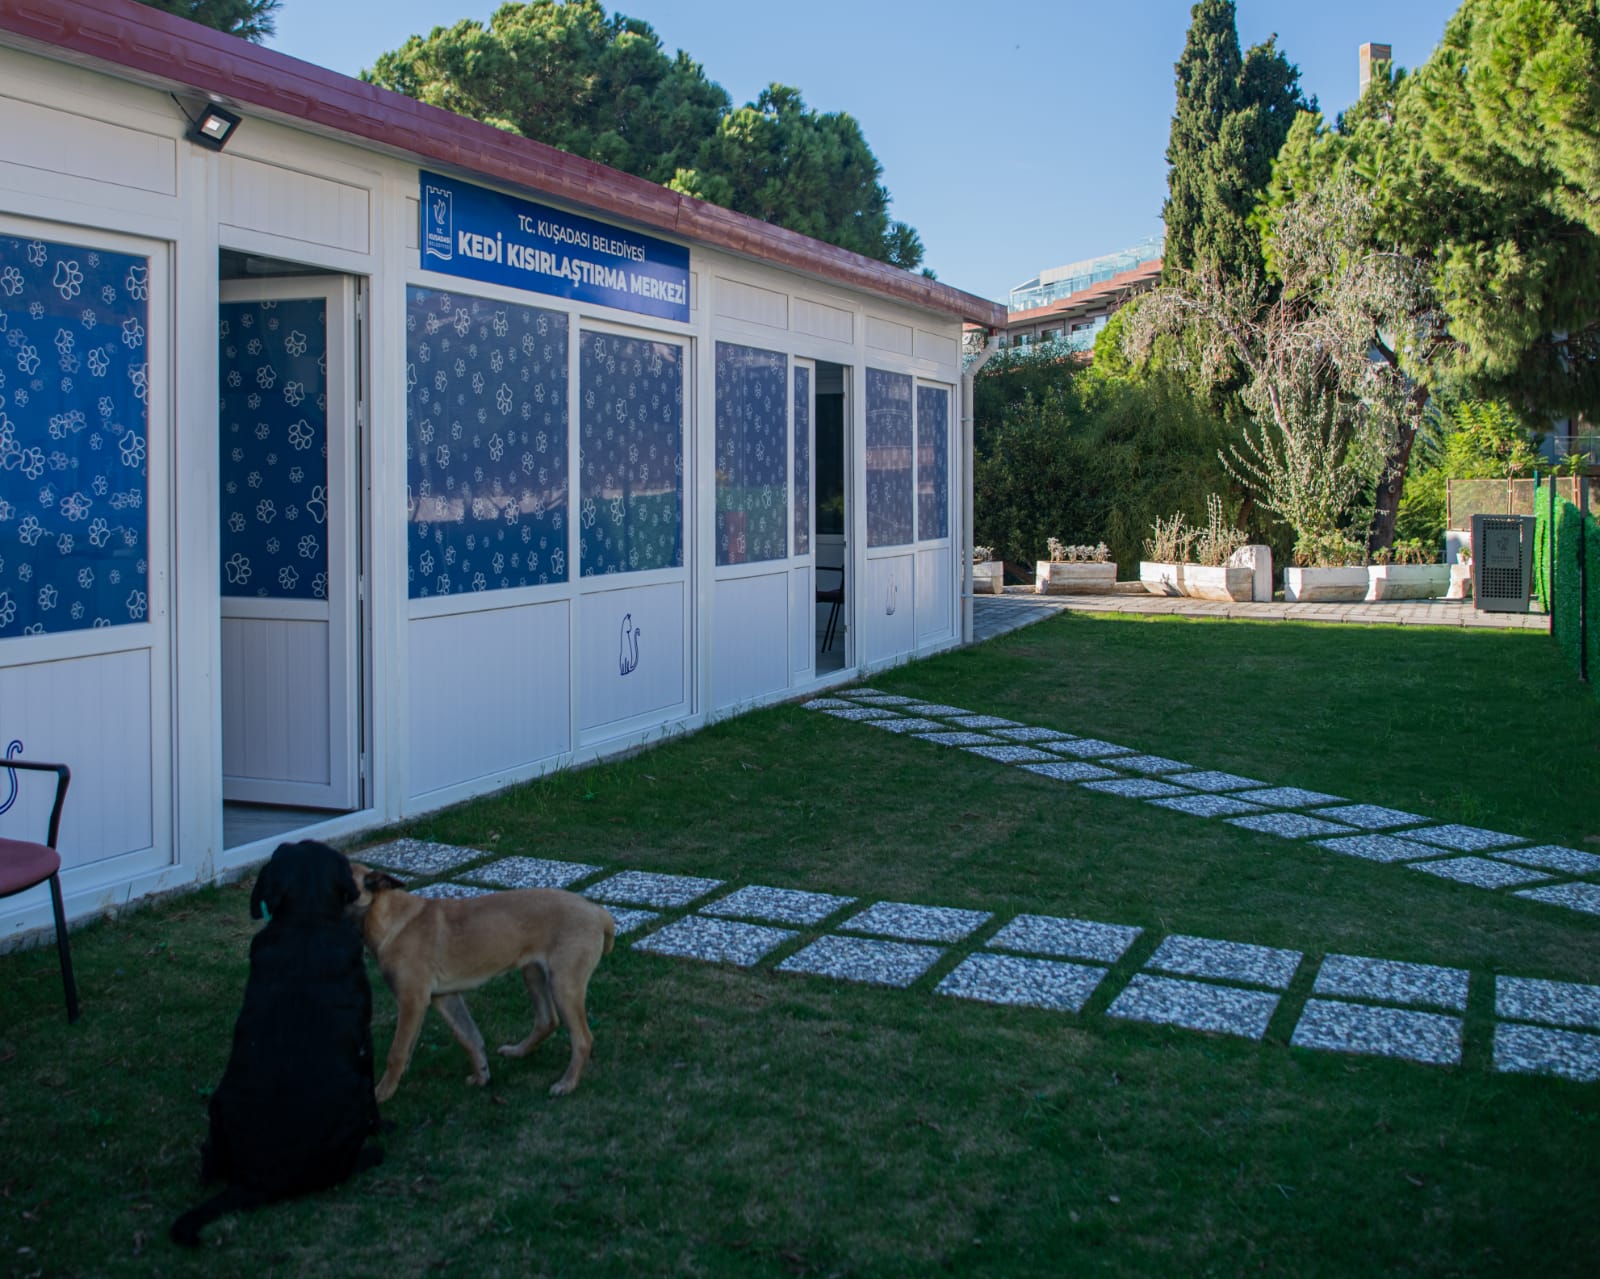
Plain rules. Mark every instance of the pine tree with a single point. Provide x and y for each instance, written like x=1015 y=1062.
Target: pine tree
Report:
x=253 y=20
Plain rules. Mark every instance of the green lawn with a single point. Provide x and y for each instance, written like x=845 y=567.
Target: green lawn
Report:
x=741 y=1122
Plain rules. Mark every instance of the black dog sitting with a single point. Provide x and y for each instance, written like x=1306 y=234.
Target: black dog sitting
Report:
x=295 y=1106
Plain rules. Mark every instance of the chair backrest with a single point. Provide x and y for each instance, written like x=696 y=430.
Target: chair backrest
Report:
x=63 y=779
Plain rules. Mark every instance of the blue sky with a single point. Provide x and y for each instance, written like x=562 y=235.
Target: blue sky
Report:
x=1013 y=137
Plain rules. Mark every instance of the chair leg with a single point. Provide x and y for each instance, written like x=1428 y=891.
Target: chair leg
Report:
x=62 y=949
x=831 y=630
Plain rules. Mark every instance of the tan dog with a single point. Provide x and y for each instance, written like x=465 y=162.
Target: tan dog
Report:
x=430 y=950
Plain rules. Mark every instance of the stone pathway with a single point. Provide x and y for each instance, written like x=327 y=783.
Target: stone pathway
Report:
x=1357 y=1004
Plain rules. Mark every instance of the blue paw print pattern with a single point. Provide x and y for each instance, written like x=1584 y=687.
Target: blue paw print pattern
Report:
x=933 y=463
x=889 y=491
x=74 y=437
x=630 y=435
x=273 y=408
x=752 y=448
x=486 y=444
x=802 y=461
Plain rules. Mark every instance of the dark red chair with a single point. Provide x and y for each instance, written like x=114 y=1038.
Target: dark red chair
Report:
x=25 y=865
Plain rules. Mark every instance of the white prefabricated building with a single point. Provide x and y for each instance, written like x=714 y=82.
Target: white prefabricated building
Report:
x=376 y=458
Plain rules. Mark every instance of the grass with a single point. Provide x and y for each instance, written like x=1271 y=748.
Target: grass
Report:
x=752 y=1123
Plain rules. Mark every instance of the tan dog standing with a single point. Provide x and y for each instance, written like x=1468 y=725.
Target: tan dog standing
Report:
x=430 y=950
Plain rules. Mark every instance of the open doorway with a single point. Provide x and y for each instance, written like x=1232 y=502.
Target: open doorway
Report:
x=831 y=513
x=289 y=571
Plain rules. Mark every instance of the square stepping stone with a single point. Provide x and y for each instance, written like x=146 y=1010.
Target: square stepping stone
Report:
x=1556 y=1003
x=1464 y=839
x=860 y=714
x=1392 y=982
x=1289 y=825
x=646 y=888
x=717 y=941
x=916 y=923
x=445 y=890
x=1036 y=983
x=1225 y=961
x=1031 y=734
x=418 y=856
x=1195 y=1005
x=908 y=724
x=876 y=698
x=1211 y=780
x=629 y=921
x=880 y=963
x=1074 y=938
x=1432 y=1038
x=826 y=704
x=1378 y=848
x=1062 y=771
x=1088 y=748
x=1285 y=797
x=1553 y=857
x=1480 y=871
x=983 y=721
x=956 y=737
x=1584 y=897
x=934 y=709
x=784 y=905
x=1136 y=788
x=1534 y=1050
x=530 y=872
x=1153 y=764
x=1370 y=816
x=1010 y=754
x=1207 y=805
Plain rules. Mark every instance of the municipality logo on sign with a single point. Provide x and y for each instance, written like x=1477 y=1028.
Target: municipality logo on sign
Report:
x=438 y=222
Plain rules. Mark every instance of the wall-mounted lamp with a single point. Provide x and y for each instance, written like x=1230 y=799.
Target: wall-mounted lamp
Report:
x=213 y=127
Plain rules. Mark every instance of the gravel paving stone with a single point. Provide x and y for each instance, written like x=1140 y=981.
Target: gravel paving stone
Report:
x=1225 y=961
x=1089 y=748
x=933 y=708
x=1370 y=816
x=646 y=888
x=916 y=923
x=1464 y=839
x=908 y=724
x=417 y=856
x=1553 y=857
x=1010 y=754
x=1391 y=981
x=861 y=713
x=881 y=963
x=1378 y=848
x=1136 y=787
x=1289 y=825
x=826 y=703
x=1074 y=938
x=878 y=699
x=1584 y=897
x=628 y=921
x=1284 y=797
x=1153 y=764
x=443 y=890
x=783 y=905
x=956 y=738
x=1480 y=871
x=1533 y=1050
x=1195 y=1005
x=1432 y=1038
x=1036 y=983
x=1207 y=805
x=1211 y=780
x=983 y=721
x=1062 y=771
x=1557 y=1003
x=1028 y=733
x=717 y=941
x=530 y=872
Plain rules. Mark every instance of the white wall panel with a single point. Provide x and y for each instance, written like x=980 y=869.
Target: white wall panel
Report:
x=275 y=700
x=739 y=301
x=631 y=655
x=935 y=594
x=818 y=319
x=886 y=335
x=297 y=206
x=940 y=348
x=488 y=692
x=886 y=610
x=751 y=637
x=93 y=715
x=60 y=142
x=802 y=623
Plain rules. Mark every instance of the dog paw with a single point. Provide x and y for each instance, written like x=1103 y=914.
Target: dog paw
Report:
x=477 y=1079
x=561 y=1088
x=383 y=1091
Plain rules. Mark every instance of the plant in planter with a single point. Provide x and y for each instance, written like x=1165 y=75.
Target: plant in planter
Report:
x=1328 y=568
x=1213 y=576
x=1406 y=572
x=1075 y=570
x=988 y=573
x=1167 y=550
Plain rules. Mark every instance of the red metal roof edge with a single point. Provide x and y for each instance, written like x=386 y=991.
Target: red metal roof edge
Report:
x=1145 y=272
x=176 y=52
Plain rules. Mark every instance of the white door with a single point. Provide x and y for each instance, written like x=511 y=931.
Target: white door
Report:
x=290 y=546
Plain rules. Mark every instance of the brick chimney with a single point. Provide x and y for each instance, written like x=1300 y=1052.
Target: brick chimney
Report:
x=1370 y=54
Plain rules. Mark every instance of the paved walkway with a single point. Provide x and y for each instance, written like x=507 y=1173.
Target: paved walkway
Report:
x=996 y=614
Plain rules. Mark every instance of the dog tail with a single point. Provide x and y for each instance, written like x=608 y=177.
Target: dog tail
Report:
x=186 y=1229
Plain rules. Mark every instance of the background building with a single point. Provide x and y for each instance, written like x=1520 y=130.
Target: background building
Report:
x=1067 y=306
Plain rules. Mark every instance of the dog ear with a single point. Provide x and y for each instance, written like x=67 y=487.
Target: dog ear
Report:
x=349 y=890
x=378 y=880
x=265 y=893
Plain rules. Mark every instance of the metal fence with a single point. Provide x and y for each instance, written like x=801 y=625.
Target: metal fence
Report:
x=1466 y=498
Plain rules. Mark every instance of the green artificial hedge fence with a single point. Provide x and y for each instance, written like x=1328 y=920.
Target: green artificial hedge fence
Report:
x=1556 y=580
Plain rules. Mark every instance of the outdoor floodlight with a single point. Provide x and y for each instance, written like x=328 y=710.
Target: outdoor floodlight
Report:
x=213 y=127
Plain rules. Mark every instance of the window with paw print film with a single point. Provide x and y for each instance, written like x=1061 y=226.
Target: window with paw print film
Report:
x=486 y=449
x=933 y=463
x=74 y=437
x=889 y=486
x=752 y=447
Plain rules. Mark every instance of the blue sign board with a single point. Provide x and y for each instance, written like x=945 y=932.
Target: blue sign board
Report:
x=483 y=235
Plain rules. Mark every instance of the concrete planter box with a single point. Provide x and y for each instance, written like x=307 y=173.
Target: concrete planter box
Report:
x=1053 y=578
x=1407 y=581
x=1325 y=585
x=989 y=578
x=1162 y=579
x=1224 y=582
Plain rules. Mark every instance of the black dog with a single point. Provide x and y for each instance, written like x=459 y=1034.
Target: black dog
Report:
x=295 y=1106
